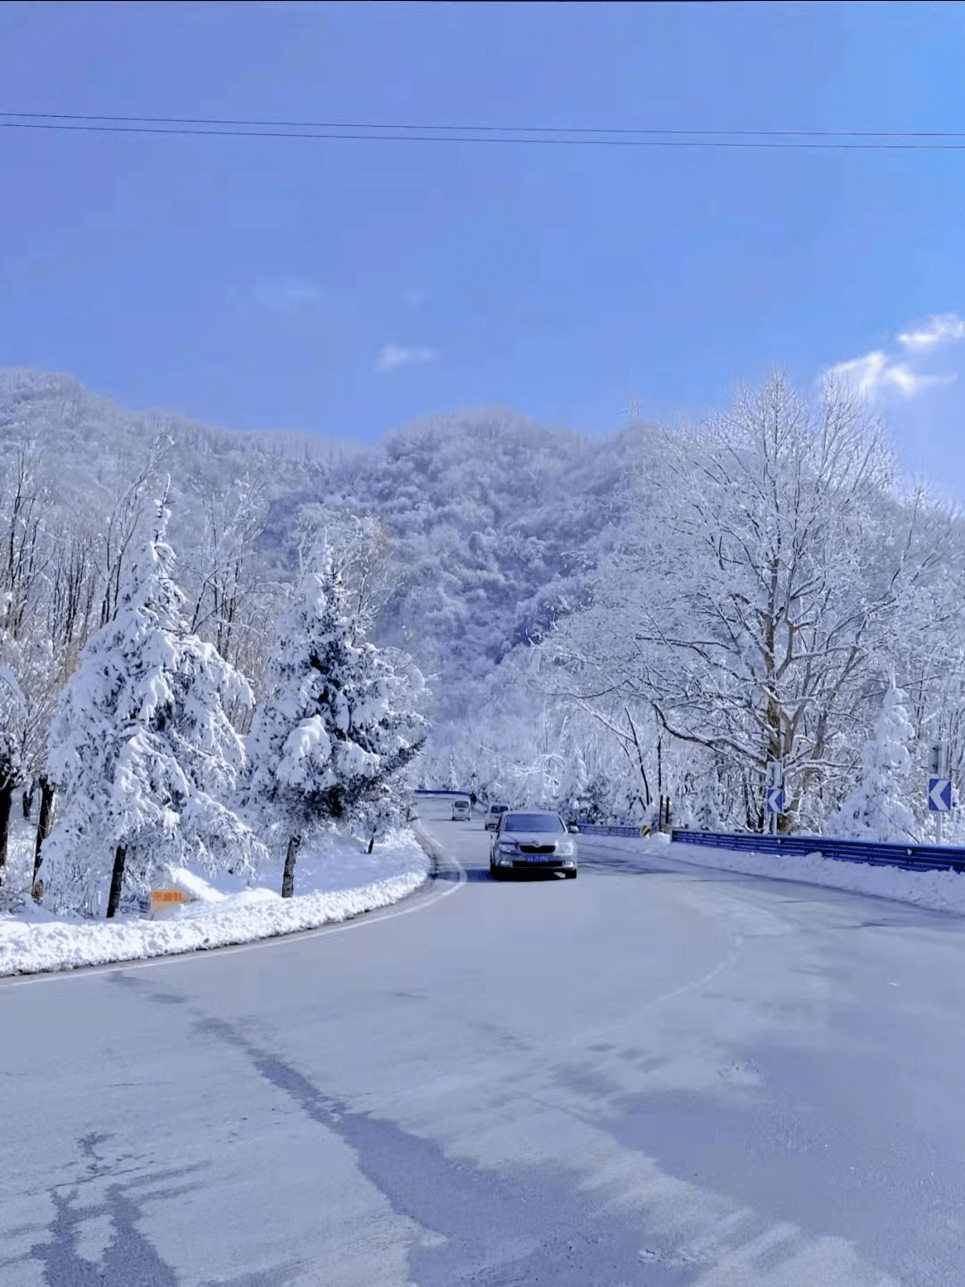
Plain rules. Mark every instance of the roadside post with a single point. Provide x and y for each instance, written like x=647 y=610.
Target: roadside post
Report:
x=168 y=900
x=774 y=795
x=939 y=785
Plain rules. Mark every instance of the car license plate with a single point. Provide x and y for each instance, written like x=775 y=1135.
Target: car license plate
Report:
x=538 y=857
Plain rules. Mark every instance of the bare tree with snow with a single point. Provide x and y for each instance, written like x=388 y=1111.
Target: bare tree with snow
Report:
x=231 y=594
x=760 y=593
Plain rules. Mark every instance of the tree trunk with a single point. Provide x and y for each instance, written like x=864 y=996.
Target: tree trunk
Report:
x=117 y=880
x=636 y=743
x=44 y=823
x=663 y=813
x=372 y=843
x=28 y=800
x=6 y=801
x=288 y=879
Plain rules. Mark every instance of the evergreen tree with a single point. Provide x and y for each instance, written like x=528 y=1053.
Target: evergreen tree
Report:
x=879 y=809
x=142 y=749
x=334 y=731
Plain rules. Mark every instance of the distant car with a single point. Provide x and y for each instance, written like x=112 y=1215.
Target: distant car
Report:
x=532 y=840
x=461 y=811
x=493 y=814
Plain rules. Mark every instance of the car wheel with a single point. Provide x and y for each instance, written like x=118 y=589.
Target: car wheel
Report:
x=570 y=875
x=495 y=872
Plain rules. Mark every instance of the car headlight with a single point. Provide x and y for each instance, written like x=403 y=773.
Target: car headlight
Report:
x=566 y=848
x=507 y=846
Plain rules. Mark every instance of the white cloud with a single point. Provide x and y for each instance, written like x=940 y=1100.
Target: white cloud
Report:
x=909 y=382
x=393 y=356
x=414 y=297
x=873 y=373
x=862 y=374
x=290 y=294
x=877 y=372
x=940 y=329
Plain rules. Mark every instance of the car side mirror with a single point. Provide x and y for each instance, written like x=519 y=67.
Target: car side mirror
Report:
x=573 y=826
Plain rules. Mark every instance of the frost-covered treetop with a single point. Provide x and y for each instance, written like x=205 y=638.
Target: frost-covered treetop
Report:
x=334 y=724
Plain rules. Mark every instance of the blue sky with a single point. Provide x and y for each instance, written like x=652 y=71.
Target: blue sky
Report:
x=347 y=287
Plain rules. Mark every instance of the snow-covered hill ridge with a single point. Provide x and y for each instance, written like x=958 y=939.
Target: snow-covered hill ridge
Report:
x=491 y=521
x=67 y=414
x=603 y=621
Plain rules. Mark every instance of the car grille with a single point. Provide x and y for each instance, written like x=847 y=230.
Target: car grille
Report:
x=537 y=849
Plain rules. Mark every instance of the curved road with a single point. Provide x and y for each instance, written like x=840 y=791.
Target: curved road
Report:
x=656 y=1074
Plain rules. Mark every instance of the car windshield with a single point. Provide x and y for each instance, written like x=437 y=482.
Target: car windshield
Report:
x=532 y=822
x=498 y=808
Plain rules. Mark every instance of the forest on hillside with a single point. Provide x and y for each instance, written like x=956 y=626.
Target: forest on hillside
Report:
x=603 y=623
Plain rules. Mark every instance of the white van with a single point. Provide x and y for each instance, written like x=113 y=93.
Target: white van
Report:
x=461 y=811
x=493 y=814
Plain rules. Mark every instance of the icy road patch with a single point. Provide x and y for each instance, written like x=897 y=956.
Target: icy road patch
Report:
x=334 y=879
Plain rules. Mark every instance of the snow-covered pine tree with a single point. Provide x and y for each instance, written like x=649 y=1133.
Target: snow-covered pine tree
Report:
x=878 y=809
x=142 y=750
x=335 y=729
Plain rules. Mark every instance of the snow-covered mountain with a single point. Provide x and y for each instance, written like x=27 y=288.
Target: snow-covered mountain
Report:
x=493 y=520
x=669 y=610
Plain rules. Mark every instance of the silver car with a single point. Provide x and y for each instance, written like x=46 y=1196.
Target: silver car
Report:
x=532 y=840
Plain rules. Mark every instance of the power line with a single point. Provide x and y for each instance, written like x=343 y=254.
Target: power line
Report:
x=501 y=129
x=864 y=140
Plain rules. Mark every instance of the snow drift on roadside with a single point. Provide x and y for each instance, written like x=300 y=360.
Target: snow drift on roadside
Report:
x=333 y=883
x=941 y=891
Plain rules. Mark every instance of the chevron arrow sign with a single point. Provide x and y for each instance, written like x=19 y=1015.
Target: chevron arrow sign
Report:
x=939 y=795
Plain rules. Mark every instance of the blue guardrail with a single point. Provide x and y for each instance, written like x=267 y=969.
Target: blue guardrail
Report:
x=595 y=829
x=912 y=857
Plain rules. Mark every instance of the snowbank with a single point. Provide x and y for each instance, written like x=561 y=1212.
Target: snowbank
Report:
x=942 y=891
x=334 y=880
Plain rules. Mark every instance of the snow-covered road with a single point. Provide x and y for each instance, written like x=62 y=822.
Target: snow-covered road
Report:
x=658 y=1074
